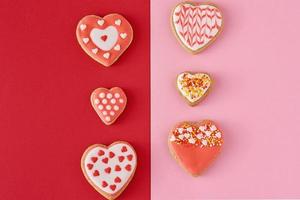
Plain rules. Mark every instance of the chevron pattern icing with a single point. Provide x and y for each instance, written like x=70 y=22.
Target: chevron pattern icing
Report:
x=196 y=25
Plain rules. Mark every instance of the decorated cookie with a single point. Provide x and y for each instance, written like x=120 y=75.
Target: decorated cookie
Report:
x=109 y=169
x=196 y=25
x=195 y=145
x=104 y=39
x=108 y=104
x=193 y=86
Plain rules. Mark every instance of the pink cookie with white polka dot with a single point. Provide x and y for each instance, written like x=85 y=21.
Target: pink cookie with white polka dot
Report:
x=108 y=103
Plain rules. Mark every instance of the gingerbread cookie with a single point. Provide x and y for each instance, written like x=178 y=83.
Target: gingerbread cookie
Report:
x=195 y=145
x=104 y=39
x=196 y=25
x=193 y=86
x=108 y=104
x=109 y=169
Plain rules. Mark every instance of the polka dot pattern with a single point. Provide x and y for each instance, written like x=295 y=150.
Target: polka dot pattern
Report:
x=108 y=104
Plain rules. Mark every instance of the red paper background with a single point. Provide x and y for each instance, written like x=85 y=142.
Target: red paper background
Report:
x=46 y=120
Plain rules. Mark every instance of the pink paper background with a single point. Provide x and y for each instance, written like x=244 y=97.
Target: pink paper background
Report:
x=255 y=100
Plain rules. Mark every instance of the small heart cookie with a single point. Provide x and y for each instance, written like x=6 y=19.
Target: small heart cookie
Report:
x=109 y=169
x=194 y=145
x=108 y=104
x=104 y=39
x=196 y=25
x=193 y=86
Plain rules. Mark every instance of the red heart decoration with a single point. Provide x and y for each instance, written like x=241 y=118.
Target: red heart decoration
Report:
x=194 y=145
x=111 y=184
x=108 y=104
x=104 y=39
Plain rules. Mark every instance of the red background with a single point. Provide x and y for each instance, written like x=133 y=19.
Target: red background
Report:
x=46 y=120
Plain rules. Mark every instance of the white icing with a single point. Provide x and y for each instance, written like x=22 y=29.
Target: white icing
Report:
x=112 y=37
x=113 y=101
x=95 y=50
x=112 y=113
x=123 y=35
x=117 y=95
x=107 y=118
x=172 y=139
x=218 y=135
x=196 y=24
x=116 y=108
x=106 y=55
x=108 y=107
x=189 y=129
x=109 y=95
x=104 y=101
x=102 y=95
x=124 y=175
x=199 y=136
x=121 y=100
x=82 y=27
x=192 y=140
x=118 y=22
x=100 y=22
x=100 y=107
x=204 y=142
x=96 y=101
x=85 y=40
x=117 y=47
x=104 y=113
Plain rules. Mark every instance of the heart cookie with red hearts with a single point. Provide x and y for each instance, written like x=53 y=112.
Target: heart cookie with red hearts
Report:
x=194 y=145
x=193 y=86
x=196 y=25
x=104 y=39
x=108 y=104
x=109 y=169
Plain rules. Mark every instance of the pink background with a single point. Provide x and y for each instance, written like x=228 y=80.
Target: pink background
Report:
x=255 y=100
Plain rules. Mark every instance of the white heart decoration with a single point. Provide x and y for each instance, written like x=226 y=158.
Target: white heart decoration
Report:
x=112 y=36
x=109 y=169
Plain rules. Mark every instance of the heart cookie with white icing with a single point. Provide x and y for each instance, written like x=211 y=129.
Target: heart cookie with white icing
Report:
x=109 y=169
x=108 y=104
x=193 y=86
x=196 y=25
x=194 y=145
x=104 y=39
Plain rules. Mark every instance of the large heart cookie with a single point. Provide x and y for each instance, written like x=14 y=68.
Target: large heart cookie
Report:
x=108 y=104
x=196 y=25
x=193 y=86
x=195 y=145
x=109 y=169
x=104 y=39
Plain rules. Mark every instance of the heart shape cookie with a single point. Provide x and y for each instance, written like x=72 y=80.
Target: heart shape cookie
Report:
x=194 y=145
x=108 y=104
x=104 y=39
x=109 y=169
x=193 y=86
x=196 y=25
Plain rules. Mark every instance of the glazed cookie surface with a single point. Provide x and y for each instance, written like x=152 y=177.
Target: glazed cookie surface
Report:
x=109 y=103
x=104 y=39
x=194 y=145
x=193 y=86
x=196 y=25
x=109 y=169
